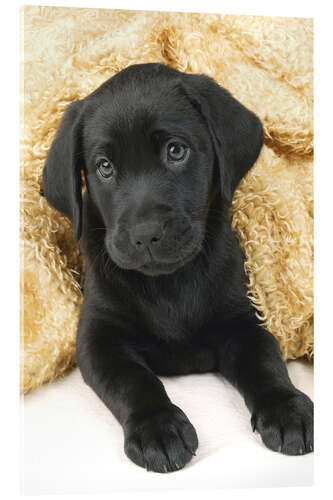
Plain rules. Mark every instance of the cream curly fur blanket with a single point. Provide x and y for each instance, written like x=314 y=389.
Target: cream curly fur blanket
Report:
x=266 y=63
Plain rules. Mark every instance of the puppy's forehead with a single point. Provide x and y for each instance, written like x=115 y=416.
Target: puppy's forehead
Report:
x=137 y=107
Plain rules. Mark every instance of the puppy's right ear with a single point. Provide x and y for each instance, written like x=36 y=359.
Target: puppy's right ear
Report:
x=62 y=170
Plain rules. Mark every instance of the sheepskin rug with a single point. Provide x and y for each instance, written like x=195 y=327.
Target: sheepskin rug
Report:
x=266 y=63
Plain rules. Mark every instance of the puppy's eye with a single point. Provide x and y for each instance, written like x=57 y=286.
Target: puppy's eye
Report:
x=105 y=168
x=177 y=152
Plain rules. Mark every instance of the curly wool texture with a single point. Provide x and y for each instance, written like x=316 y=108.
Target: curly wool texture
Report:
x=264 y=62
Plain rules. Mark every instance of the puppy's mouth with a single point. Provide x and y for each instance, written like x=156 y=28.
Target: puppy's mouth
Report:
x=155 y=268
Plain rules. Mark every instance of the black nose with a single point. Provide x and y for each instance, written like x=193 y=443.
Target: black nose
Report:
x=146 y=234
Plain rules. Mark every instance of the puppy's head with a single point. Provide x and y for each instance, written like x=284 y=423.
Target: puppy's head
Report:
x=150 y=141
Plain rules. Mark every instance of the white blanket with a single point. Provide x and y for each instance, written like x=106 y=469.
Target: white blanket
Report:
x=73 y=444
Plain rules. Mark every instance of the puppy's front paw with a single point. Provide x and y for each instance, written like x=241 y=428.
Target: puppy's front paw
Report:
x=285 y=423
x=163 y=442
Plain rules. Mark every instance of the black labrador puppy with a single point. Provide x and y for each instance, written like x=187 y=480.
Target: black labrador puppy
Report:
x=165 y=290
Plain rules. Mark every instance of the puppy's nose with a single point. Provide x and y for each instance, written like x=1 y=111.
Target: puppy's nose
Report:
x=146 y=234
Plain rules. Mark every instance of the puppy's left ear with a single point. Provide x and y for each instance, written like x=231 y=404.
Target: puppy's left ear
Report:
x=236 y=132
x=62 y=170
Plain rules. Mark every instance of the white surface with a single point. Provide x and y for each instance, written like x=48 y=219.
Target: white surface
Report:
x=73 y=444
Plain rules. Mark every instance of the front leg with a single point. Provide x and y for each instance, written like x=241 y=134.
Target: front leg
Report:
x=250 y=358
x=158 y=435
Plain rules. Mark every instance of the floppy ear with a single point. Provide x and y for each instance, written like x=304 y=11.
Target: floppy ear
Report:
x=236 y=132
x=62 y=170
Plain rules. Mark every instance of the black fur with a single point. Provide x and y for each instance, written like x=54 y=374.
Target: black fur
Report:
x=165 y=288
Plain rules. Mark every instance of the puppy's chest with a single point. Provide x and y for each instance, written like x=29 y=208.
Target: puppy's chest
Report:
x=178 y=313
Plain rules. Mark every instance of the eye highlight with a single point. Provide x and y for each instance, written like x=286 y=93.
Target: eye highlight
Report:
x=177 y=152
x=105 y=168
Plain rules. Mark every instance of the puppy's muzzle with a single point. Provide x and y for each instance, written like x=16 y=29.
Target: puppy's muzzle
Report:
x=154 y=246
